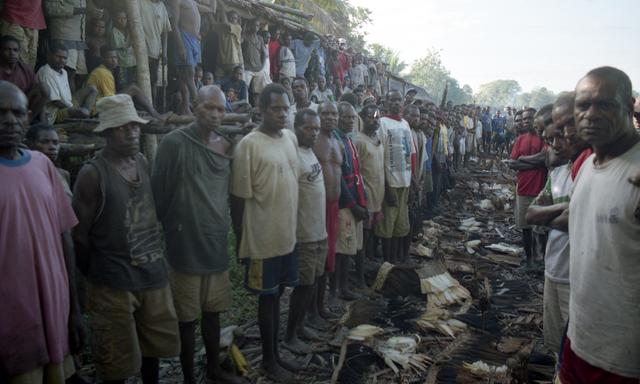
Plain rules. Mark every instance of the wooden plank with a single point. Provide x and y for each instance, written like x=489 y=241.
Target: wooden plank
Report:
x=282 y=8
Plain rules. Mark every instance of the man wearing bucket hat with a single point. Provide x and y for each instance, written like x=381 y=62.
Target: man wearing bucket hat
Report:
x=131 y=313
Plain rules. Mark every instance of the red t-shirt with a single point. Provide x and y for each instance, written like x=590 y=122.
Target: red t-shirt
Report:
x=25 y=13
x=273 y=56
x=22 y=76
x=579 y=161
x=530 y=182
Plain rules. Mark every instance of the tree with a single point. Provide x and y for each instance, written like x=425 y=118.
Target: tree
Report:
x=541 y=97
x=429 y=73
x=389 y=56
x=325 y=13
x=498 y=92
x=354 y=33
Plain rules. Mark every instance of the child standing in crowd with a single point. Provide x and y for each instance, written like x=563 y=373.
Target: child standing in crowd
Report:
x=121 y=39
x=97 y=40
x=285 y=60
x=322 y=93
x=197 y=78
x=207 y=79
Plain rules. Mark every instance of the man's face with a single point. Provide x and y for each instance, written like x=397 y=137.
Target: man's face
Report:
x=10 y=52
x=527 y=121
x=394 y=103
x=601 y=114
x=412 y=116
x=540 y=123
x=110 y=60
x=565 y=123
x=233 y=19
x=431 y=108
x=517 y=123
x=238 y=75
x=276 y=113
x=13 y=118
x=328 y=116
x=359 y=97
x=286 y=41
x=555 y=139
x=636 y=120
x=509 y=111
x=431 y=127
x=307 y=133
x=299 y=90
x=322 y=83
x=409 y=97
x=255 y=27
x=308 y=42
x=124 y=140
x=372 y=120
x=275 y=35
x=210 y=108
x=207 y=79
x=58 y=59
x=266 y=37
x=47 y=143
x=347 y=118
x=497 y=113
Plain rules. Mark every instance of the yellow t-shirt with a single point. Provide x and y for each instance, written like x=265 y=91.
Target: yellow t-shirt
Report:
x=229 y=36
x=102 y=78
x=265 y=174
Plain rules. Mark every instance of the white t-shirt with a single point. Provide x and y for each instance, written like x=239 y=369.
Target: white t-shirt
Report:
x=312 y=201
x=509 y=123
x=604 y=309
x=398 y=144
x=293 y=110
x=265 y=174
x=59 y=84
x=322 y=96
x=556 y=259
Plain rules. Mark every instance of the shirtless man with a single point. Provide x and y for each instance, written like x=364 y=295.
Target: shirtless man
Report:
x=185 y=24
x=329 y=151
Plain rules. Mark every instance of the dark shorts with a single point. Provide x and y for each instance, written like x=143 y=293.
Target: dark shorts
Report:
x=190 y=45
x=487 y=134
x=265 y=276
x=332 y=234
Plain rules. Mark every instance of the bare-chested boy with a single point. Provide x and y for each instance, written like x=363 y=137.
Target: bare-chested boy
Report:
x=329 y=151
x=185 y=24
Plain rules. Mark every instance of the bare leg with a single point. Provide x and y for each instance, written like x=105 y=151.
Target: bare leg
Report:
x=298 y=309
x=187 y=350
x=333 y=303
x=394 y=250
x=86 y=96
x=317 y=312
x=211 y=338
x=150 y=370
x=187 y=87
x=141 y=99
x=38 y=97
x=386 y=249
x=71 y=76
x=268 y=322
x=154 y=64
x=343 y=280
x=527 y=235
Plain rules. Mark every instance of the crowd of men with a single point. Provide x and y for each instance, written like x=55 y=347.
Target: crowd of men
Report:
x=310 y=187
x=337 y=166
x=89 y=54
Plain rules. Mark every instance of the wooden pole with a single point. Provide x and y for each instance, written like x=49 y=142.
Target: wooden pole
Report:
x=288 y=10
x=144 y=78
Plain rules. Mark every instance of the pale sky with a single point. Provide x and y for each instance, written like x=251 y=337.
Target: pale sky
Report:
x=546 y=43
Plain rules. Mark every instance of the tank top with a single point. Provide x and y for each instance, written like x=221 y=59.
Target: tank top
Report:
x=125 y=241
x=252 y=54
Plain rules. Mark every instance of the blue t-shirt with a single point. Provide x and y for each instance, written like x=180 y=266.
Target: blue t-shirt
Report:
x=498 y=124
x=233 y=92
x=427 y=163
x=302 y=54
x=486 y=122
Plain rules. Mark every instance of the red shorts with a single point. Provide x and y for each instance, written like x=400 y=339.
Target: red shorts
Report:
x=374 y=219
x=487 y=133
x=332 y=234
x=576 y=370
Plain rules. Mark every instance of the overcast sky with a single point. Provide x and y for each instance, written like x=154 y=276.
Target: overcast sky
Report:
x=546 y=43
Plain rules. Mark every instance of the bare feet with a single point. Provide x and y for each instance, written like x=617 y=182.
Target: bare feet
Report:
x=365 y=290
x=291 y=365
x=306 y=333
x=276 y=373
x=347 y=294
x=326 y=314
x=335 y=305
x=318 y=323
x=296 y=346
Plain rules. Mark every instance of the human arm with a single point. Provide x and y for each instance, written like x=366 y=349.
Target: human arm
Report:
x=56 y=8
x=517 y=165
x=237 y=213
x=175 y=28
x=389 y=195
x=537 y=160
x=78 y=332
x=209 y=8
x=86 y=202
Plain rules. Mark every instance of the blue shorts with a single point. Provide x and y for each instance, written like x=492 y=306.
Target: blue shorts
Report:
x=264 y=277
x=191 y=45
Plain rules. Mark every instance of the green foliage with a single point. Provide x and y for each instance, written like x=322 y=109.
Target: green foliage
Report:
x=429 y=73
x=389 y=56
x=354 y=33
x=498 y=92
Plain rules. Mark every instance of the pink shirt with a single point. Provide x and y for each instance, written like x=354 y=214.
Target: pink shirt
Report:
x=34 y=288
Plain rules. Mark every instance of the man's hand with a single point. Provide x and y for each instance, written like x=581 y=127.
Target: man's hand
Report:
x=93 y=12
x=412 y=197
x=359 y=213
x=391 y=198
x=78 y=333
x=544 y=198
x=182 y=54
x=163 y=58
